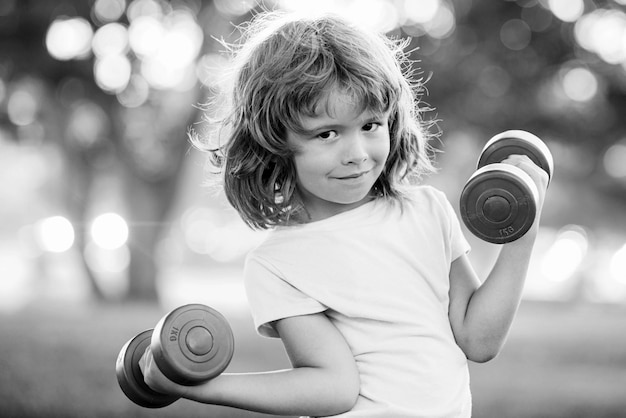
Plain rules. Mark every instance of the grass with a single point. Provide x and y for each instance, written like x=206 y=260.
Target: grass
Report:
x=559 y=361
x=58 y=361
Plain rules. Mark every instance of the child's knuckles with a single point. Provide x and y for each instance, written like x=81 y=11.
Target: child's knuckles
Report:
x=152 y=379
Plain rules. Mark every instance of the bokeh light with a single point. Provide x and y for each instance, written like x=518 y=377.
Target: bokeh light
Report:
x=603 y=31
x=432 y=17
x=55 y=234
x=306 y=7
x=181 y=41
x=68 y=39
x=112 y=72
x=87 y=124
x=443 y=24
x=145 y=34
x=565 y=255
x=109 y=231
x=136 y=92
x=234 y=8
x=110 y=39
x=160 y=44
x=163 y=77
x=421 y=11
x=515 y=34
x=379 y=15
x=211 y=69
x=22 y=107
x=609 y=282
x=537 y=18
x=168 y=48
x=615 y=160
x=579 y=84
x=567 y=10
x=108 y=10
x=139 y=8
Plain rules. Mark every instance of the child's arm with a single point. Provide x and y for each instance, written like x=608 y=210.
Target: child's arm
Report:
x=323 y=381
x=481 y=314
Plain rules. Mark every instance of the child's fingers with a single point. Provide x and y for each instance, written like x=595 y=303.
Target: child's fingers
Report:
x=151 y=373
x=155 y=379
x=539 y=176
x=145 y=360
x=536 y=173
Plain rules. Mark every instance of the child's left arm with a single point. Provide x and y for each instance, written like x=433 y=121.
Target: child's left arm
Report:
x=481 y=314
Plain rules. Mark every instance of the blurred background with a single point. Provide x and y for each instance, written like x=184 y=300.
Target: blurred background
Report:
x=106 y=222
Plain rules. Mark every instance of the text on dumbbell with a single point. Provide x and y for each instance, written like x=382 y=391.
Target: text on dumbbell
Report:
x=174 y=334
x=506 y=231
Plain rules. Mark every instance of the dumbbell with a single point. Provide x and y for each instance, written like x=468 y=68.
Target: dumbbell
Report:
x=499 y=201
x=191 y=345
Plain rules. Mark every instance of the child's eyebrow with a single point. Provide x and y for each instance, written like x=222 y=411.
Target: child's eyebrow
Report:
x=323 y=126
x=319 y=128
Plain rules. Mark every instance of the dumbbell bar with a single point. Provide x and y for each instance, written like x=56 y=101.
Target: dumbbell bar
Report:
x=499 y=201
x=191 y=345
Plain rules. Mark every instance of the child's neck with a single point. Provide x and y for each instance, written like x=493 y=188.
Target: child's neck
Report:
x=317 y=212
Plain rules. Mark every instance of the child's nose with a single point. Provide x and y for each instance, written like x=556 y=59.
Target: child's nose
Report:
x=355 y=150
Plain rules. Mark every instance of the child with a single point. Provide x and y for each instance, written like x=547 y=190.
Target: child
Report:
x=365 y=277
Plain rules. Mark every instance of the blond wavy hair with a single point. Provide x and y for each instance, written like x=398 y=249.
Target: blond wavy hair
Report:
x=284 y=67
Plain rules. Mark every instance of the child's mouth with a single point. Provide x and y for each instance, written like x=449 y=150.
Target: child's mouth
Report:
x=353 y=176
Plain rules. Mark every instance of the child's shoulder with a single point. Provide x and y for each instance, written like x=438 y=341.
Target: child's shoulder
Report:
x=425 y=192
x=430 y=199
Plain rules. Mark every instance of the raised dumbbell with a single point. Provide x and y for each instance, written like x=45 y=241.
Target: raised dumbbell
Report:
x=499 y=201
x=191 y=345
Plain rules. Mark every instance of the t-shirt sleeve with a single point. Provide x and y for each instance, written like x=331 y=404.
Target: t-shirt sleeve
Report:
x=458 y=243
x=272 y=298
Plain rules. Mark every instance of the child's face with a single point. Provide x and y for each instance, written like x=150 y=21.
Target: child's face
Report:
x=340 y=156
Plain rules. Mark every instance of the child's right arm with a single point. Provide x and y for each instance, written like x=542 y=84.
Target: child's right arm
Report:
x=481 y=314
x=323 y=381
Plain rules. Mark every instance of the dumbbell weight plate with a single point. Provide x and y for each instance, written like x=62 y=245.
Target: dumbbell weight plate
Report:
x=499 y=203
x=520 y=142
x=129 y=374
x=192 y=344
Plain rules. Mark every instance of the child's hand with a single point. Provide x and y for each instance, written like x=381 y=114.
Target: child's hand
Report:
x=536 y=173
x=155 y=379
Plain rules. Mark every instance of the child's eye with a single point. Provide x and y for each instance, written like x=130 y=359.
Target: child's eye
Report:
x=327 y=135
x=371 y=126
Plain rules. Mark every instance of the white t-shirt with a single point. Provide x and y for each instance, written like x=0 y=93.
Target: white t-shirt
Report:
x=380 y=272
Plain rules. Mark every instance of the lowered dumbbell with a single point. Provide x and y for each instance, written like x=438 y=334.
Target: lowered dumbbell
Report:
x=191 y=345
x=499 y=201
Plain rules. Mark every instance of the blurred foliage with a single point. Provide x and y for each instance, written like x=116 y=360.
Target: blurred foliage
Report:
x=482 y=83
x=144 y=143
